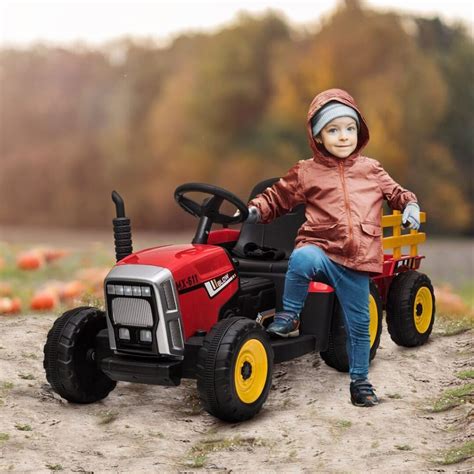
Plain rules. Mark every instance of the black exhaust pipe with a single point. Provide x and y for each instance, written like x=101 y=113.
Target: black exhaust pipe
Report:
x=122 y=229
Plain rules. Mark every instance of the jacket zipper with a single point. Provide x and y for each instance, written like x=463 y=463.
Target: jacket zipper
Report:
x=346 y=201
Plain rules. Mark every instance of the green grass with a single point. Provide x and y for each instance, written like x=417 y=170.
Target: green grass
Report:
x=198 y=454
x=449 y=326
x=465 y=374
x=54 y=467
x=343 y=423
x=7 y=386
x=26 y=376
x=21 y=427
x=458 y=454
x=198 y=461
x=4 y=437
x=454 y=397
x=403 y=447
x=394 y=396
x=107 y=417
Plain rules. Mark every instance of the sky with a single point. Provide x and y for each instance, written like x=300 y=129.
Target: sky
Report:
x=23 y=22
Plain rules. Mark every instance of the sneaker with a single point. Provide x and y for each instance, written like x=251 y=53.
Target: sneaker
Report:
x=285 y=324
x=363 y=394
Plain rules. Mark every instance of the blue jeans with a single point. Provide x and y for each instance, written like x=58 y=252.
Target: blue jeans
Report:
x=352 y=291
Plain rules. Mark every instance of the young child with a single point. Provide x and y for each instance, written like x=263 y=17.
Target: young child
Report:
x=343 y=192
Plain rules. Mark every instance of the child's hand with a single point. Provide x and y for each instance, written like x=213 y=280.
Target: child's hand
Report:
x=411 y=216
x=254 y=215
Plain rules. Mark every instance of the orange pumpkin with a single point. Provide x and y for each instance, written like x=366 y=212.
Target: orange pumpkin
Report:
x=44 y=300
x=10 y=305
x=31 y=260
x=71 y=290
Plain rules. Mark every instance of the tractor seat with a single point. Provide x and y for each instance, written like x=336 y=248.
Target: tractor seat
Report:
x=279 y=236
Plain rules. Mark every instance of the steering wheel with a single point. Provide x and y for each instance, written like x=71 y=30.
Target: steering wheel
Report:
x=211 y=205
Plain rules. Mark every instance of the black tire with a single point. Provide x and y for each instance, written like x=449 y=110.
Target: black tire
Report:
x=410 y=309
x=336 y=354
x=222 y=386
x=68 y=356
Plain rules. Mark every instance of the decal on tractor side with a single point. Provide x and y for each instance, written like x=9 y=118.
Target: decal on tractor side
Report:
x=188 y=282
x=216 y=285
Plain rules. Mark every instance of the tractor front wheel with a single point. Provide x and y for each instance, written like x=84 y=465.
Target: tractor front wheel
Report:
x=69 y=357
x=410 y=309
x=234 y=369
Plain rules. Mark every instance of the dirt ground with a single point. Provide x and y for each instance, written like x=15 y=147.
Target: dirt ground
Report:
x=307 y=424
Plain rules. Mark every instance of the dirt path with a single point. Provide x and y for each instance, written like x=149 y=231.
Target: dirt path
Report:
x=306 y=425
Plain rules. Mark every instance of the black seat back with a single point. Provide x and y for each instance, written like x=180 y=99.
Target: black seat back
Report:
x=279 y=234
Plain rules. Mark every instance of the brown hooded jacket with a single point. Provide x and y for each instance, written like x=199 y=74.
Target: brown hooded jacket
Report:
x=343 y=197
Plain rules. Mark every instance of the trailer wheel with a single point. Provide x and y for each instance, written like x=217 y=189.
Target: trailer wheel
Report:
x=69 y=356
x=336 y=354
x=234 y=369
x=410 y=309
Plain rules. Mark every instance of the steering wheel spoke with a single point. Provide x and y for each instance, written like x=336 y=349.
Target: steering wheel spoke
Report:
x=190 y=206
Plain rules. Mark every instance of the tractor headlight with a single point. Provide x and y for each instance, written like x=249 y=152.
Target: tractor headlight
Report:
x=124 y=334
x=146 y=336
x=129 y=290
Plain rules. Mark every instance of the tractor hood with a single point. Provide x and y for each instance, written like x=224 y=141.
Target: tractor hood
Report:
x=190 y=264
x=204 y=276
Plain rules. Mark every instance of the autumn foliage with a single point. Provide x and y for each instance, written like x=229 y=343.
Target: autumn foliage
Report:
x=229 y=108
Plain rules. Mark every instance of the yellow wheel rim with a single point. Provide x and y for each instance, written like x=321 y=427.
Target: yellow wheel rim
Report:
x=374 y=320
x=423 y=309
x=251 y=369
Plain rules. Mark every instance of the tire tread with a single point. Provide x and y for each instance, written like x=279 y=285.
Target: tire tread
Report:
x=58 y=359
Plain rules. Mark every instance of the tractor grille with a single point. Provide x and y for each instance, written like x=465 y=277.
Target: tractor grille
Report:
x=132 y=312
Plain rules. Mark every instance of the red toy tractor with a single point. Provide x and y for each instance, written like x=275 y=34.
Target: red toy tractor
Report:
x=199 y=310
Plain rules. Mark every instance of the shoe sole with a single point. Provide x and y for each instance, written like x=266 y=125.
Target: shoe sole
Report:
x=365 y=405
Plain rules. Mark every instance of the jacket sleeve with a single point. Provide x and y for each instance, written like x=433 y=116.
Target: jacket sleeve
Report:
x=283 y=196
x=396 y=196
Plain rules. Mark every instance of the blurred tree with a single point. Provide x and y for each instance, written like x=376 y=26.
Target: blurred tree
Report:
x=233 y=85
x=230 y=108
x=452 y=48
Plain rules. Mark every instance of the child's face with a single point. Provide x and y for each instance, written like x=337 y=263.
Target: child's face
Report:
x=339 y=137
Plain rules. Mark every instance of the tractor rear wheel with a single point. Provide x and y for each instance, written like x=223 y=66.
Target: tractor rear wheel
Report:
x=410 y=309
x=69 y=356
x=336 y=354
x=234 y=369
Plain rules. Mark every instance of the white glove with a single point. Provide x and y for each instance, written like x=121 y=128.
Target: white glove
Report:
x=254 y=215
x=411 y=215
